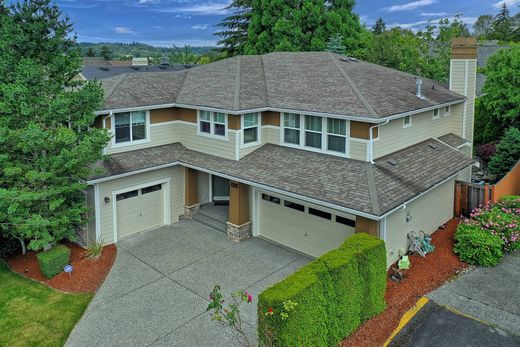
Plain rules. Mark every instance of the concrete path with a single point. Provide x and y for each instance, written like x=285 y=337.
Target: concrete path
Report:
x=157 y=291
x=491 y=294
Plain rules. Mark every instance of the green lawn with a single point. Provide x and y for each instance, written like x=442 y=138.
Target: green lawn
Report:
x=32 y=314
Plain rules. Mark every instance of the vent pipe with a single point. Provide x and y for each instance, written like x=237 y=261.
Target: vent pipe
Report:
x=418 y=88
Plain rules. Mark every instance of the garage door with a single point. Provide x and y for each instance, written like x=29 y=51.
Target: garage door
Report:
x=140 y=210
x=309 y=229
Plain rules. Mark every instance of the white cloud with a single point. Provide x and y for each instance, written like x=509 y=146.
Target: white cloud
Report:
x=410 y=5
x=123 y=30
x=433 y=14
x=509 y=3
x=415 y=26
x=207 y=8
x=200 y=26
x=143 y=2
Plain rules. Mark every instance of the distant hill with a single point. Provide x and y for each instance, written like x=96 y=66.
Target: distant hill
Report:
x=133 y=50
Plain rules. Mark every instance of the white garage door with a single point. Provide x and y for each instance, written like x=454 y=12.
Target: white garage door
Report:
x=140 y=210
x=311 y=230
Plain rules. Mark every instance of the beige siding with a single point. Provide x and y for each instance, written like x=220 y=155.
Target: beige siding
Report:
x=427 y=213
x=393 y=137
x=358 y=150
x=160 y=134
x=271 y=134
x=187 y=135
x=91 y=215
x=105 y=190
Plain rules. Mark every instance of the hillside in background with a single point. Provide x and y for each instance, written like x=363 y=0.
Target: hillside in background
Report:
x=120 y=51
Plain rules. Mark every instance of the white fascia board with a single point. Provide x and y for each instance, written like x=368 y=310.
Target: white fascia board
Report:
x=422 y=110
x=131 y=173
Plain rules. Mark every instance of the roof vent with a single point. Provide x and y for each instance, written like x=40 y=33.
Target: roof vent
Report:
x=418 y=88
x=432 y=146
x=135 y=67
x=104 y=68
x=347 y=59
x=162 y=67
x=392 y=162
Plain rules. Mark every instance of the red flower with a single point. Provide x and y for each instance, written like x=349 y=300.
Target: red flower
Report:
x=270 y=310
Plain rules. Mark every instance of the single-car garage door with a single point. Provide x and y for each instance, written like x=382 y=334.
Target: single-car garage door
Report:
x=139 y=210
x=312 y=230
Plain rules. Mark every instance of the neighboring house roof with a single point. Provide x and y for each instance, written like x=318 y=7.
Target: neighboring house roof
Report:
x=121 y=62
x=95 y=61
x=102 y=72
x=453 y=140
x=320 y=82
x=484 y=51
x=372 y=189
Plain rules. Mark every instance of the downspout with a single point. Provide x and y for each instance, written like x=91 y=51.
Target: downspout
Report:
x=371 y=141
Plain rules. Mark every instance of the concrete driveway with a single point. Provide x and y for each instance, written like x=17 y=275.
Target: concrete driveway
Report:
x=157 y=291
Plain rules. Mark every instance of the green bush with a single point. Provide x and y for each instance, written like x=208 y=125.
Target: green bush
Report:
x=335 y=294
x=52 y=261
x=8 y=246
x=477 y=246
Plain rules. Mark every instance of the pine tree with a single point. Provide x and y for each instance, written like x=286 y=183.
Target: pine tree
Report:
x=47 y=146
x=335 y=44
x=233 y=36
x=281 y=25
x=506 y=155
x=105 y=53
x=502 y=25
x=90 y=52
x=379 y=27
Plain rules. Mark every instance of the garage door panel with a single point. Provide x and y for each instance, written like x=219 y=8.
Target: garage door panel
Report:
x=151 y=210
x=300 y=230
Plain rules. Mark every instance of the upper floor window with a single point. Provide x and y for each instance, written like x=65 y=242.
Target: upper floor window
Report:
x=436 y=113
x=407 y=122
x=130 y=126
x=314 y=132
x=447 y=111
x=212 y=123
x=250 y=128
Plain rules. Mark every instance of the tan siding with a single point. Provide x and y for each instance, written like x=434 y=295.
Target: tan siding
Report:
x=160 y=134
x=271 y=118
x=187 y=135
x=271 y=135
x=105 y=190
x=91 y=215
x=393 y=137
x=162 y=115
x=361 y=130
x=358 y=150
x=234 y=122
x=427 y=213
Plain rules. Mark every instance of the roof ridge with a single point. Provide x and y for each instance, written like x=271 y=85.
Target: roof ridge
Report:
x=185 y=75
x=236 y=97
x=358 y=93
x=265 y=80
x=372 y=190
x=118 y=79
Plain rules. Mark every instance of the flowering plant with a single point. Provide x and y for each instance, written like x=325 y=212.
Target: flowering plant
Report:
x=230 y=315
x=271 y=314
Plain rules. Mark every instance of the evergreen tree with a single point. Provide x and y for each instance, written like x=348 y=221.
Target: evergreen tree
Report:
x=90 y=52
x=502 y=25
x=233 y=35
x=47 y=146
x=105 y=53
x=303 y=25
x=335 y=44
x=379 y=27
x=506 y=155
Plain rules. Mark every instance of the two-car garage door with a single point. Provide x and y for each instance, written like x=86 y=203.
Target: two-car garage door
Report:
x=309 y=229
x=139 y=210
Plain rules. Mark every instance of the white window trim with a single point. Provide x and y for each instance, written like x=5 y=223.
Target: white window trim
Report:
x=446 y=114
x=129 y=143
x=324 y=136
x=438 y=113
x=326 y=130
x=407 y=125
x=258 y=129
x=212 y=126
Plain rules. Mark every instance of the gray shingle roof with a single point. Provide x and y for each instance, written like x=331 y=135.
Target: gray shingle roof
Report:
x=452 y=140
x=369 y=188
x=101 y=72
x=303 y=81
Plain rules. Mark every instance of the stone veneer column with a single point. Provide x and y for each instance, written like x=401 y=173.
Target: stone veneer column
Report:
x=239 y=224
x=191 y=193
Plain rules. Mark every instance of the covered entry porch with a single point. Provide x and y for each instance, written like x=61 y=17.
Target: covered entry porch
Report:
x=219 y=199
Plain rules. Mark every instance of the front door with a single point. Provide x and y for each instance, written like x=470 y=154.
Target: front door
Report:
x=220 y=189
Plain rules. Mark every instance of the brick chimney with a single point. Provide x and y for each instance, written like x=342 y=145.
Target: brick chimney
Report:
x=463 y=77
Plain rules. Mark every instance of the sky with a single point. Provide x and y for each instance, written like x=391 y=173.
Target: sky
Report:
x=192 y=22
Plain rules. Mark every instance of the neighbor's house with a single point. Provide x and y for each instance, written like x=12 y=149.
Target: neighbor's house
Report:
x=306 y=148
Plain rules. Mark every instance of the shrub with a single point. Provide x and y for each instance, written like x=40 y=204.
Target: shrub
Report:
x=477 y=246
x=8 y=246
x=335 y=294
x=52 y=261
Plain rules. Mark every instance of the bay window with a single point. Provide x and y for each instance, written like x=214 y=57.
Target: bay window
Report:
x=212 y=123
x=250 y=128
x=130 y=126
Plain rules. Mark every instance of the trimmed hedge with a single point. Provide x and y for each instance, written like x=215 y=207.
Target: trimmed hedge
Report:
x=335 y=294
x=52 y=261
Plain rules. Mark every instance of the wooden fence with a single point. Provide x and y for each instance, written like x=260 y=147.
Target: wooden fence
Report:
x=471 y=195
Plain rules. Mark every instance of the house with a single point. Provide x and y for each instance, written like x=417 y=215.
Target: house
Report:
x=303 y=149
x=102 y=72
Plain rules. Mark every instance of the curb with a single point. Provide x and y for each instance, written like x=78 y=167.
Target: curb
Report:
x=407 y=317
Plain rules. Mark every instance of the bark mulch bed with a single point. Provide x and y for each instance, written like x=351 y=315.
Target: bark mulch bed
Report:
x=87 y=275
x=424 y=275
